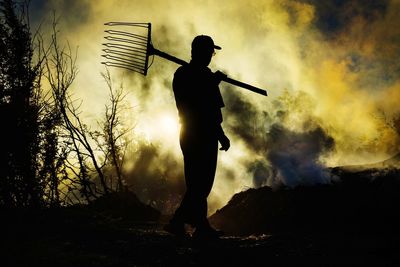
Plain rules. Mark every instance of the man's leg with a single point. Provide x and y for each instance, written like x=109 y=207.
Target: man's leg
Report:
x=176 y=225
x=187 y=212
x=200 y=161
x=205 y=166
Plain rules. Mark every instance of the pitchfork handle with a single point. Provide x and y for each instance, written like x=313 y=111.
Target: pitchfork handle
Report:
x=245 y=85
x=154 y=51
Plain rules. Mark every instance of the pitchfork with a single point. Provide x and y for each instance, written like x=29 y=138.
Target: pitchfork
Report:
x=131 y=51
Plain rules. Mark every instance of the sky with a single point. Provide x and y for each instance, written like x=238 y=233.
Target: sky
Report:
x=331 y=70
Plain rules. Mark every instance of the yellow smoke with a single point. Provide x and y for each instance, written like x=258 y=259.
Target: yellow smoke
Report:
x=271 y=44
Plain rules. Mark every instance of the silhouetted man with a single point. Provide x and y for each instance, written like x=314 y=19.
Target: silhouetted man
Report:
x=199 y=104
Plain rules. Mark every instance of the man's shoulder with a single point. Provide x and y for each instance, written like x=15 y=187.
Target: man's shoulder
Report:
x=192 y=71
x=183 y=73
x=182 y=69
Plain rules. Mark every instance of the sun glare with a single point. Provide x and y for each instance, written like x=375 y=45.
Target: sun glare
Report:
x=160 y=128
x=168 y=125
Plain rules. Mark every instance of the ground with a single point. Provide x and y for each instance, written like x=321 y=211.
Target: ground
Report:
x=83 y=237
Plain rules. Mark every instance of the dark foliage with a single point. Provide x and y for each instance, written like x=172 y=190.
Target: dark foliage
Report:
x=19 y=112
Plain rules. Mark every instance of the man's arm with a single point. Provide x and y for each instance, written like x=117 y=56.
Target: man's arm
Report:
x=223 y=139
x=183 y=98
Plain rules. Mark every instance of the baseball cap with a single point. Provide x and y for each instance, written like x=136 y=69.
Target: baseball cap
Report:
x=202 y=42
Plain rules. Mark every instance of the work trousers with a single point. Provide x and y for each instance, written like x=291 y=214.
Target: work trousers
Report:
x=200 y=152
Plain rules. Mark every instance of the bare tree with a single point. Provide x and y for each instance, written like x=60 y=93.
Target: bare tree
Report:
x=114 y=131
x=61 y=72
x=87 y=153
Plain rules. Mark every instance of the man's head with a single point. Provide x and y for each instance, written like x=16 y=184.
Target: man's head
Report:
x=203 y=49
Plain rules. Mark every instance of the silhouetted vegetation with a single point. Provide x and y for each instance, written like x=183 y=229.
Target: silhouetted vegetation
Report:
x=49 y=155
x=22 y=115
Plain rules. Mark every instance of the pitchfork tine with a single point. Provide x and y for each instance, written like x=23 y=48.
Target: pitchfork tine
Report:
x=115 y=59
x=123 y=40
x=118 y=39
x=122 y=66
x=114 y=32
x=110 y=64
x=144 y=25
x=125 y=48
x=125 y=51
x=122 y=60
x=131 y=56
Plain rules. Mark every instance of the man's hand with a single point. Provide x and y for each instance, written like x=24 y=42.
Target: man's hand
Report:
x=219 y=76
x=225 y=143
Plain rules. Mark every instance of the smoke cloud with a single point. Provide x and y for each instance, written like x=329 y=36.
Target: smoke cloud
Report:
x=331 y=69
x=295 y=155
x=160 y=185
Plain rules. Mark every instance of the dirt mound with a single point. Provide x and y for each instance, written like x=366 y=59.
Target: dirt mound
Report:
x=364 y=200
x=125 y=205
